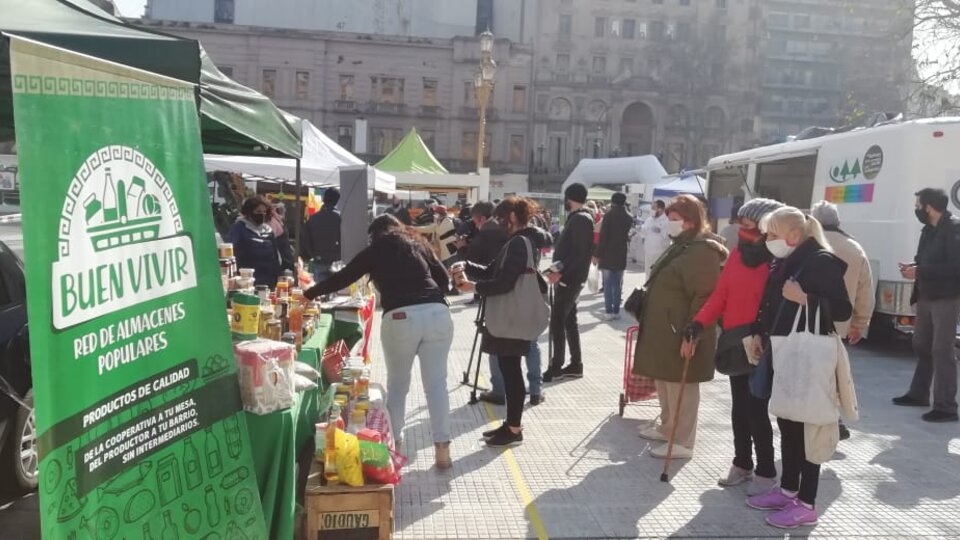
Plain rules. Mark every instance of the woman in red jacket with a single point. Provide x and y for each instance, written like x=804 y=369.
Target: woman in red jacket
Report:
x=735 y=302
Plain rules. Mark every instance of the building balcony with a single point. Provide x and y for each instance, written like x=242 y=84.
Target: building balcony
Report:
x=386 y=108
x=431 y=111
x=345 y=105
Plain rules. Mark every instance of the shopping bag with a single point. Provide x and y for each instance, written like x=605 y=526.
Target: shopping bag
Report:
x=593 y=279
x=731 y=356
x=805 y=374
x=522 y=313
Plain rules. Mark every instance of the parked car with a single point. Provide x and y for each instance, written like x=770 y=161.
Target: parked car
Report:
x=19 y=461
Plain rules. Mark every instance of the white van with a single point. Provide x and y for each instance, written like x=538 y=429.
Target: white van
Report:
x=871 y=174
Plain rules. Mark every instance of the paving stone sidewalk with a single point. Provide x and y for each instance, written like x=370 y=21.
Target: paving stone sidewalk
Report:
x=582 y=472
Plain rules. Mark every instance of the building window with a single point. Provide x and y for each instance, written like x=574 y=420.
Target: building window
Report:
x=721 y=4
x=468 y=145
x=469 y=94
x=268 y=84
x=346 y=87
x=716 y=75
x=566 y=25
x=599 y=65
x=629 y=29
x=429 y=138
x=519 y=99
x=656 y=30
x=345 y=137
x=226 y=70
x=626 y=66
x=714 y=118
x=676 y=156
x=516 y=149
x=303 y=85
x=679 y=117
x=683 y=31
x=385 y=139
x=685 y=2
x=387 y=89
x=599 y=27
x=223 y=11
x=563 y=62
x=430 y=92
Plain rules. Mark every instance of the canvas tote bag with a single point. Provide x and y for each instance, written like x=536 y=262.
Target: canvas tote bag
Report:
x=805 y=374
x=522 y=313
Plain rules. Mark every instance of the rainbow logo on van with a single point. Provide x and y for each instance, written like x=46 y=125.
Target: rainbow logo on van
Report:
x=854 y=193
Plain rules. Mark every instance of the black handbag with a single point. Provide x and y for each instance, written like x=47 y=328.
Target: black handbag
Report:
x=731 y=356
x=634 y=303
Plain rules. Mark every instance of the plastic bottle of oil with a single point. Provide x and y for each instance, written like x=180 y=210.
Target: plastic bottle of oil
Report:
x=330 y=455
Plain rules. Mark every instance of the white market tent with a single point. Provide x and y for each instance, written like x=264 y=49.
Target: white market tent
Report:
x=692 y=184
x=320 y=166
x=613 y=171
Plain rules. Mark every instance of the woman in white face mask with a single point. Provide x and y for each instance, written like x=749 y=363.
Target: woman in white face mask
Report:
x=678 y=286
x=805 y=273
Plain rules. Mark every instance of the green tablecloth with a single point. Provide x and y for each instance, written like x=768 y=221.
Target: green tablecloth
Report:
x=278 y=438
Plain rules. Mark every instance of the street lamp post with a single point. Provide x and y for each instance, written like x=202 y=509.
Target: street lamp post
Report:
x=483 y=81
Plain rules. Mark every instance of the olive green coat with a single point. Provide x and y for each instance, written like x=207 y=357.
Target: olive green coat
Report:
x=678 y=286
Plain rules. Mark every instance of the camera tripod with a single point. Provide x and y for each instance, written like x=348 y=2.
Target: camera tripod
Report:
x=475 y=353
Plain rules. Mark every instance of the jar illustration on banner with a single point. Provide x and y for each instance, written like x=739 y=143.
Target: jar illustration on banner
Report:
x=211 y=447
x=191 y=465
x=168 y=480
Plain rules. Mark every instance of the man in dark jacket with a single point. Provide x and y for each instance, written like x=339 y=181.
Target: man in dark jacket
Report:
x=574 y=250
x=321 y=238
x=489 y=238
x=611 y=254
x=936 y=294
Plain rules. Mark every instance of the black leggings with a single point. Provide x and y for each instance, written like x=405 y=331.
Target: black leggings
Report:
x=514 y=388
x=798 y=474
x=751 y=429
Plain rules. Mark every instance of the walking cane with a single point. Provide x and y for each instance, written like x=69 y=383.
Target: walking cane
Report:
x=665 y=476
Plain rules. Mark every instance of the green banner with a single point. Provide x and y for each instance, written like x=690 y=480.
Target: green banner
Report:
x=137 y=404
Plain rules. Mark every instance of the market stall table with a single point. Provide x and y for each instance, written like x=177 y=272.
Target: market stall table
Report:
x=277 y=441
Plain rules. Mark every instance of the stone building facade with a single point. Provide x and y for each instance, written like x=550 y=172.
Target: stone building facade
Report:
x=682 y=79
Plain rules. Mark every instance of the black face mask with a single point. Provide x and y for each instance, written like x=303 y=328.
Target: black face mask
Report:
x=922 y=215
x=258 y=218
x=754 y=254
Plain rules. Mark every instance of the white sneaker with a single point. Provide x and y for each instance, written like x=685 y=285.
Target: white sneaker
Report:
x=608 y=317
x=652 y=433
x=735 y=477
x=679 y=452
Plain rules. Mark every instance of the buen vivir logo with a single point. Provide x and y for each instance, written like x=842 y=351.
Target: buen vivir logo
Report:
x=121 y=240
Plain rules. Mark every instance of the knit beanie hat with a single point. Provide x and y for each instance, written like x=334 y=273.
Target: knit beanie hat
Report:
x=755 y=209
x=576 y=193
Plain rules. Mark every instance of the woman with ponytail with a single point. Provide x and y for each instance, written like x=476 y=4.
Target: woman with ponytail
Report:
x=805 y=275
x=736 y=301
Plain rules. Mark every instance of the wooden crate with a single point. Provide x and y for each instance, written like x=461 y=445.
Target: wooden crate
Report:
x=347 y=513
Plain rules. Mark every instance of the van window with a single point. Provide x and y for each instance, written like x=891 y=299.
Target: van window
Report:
x=727 y=190
x=789 y=181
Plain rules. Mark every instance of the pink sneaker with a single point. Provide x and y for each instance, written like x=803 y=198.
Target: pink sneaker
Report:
x=775 y=499
x=793 y=515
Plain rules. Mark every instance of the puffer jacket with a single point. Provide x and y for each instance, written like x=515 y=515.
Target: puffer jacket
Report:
x=256 y=247
x=678 y=287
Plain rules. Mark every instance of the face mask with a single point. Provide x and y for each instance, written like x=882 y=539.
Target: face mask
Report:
x=922 y=215
x=674 y=228
x=779 y=248
x=259 y=218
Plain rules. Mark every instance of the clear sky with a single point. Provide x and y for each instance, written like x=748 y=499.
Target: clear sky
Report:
x=130 y=8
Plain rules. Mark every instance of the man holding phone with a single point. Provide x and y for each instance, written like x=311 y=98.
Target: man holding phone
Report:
x=936 y=295
x=574 y=251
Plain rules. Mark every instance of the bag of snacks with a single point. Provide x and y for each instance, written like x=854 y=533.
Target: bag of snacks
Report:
x=266 y=375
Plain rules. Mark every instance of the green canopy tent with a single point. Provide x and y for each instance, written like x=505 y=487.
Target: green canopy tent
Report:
x=411 y=156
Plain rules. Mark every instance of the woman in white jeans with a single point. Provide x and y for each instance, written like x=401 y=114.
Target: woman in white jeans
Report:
x=416 y=320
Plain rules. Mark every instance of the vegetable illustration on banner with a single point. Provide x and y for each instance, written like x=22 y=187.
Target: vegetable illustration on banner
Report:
x=137 y=403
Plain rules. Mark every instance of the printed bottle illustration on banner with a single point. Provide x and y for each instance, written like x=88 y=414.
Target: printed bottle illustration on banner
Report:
x=231 y=429
x=213 y=511
x=214 y=459
x=191 y=464
x=170 y=531
x=146 y=532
